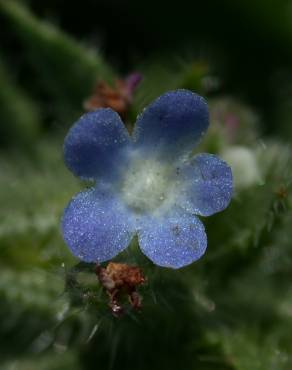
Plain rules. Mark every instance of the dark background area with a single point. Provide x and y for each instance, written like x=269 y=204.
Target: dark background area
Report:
x=249 y=44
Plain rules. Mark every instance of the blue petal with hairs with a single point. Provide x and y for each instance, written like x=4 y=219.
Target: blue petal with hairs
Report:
x=147 y=184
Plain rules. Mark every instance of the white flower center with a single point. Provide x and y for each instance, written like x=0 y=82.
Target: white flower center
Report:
x=145 y=185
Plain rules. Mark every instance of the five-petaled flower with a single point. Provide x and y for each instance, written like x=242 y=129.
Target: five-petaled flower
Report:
x=147 y=184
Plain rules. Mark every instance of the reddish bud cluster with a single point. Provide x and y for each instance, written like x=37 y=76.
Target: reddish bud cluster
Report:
x=119 y=278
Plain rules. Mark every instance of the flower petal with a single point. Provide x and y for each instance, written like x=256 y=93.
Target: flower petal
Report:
x=206 y=185
x=172 y=125
x=96 y=226
x=174 y=240
x=96 y=143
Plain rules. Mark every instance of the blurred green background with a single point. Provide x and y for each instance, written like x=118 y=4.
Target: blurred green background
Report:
x=231 y=310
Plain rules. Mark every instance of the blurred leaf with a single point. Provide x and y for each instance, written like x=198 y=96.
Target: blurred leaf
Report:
x=64 y=69
x=20 y=118
x=51 y=360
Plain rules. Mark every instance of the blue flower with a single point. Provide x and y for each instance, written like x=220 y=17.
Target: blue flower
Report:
x=147 y=184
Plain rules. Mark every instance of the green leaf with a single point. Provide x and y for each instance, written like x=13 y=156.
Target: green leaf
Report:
x=64 y=69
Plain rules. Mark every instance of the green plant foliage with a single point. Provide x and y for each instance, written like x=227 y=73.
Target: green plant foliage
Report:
x=231 y=310
x=65 y=70
x=20 y=118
